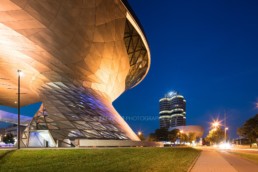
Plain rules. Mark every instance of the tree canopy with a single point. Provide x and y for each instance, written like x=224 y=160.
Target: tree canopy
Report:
x=8 y=138
x=249 y=129
x=165 y=135
x=192 y=136
x=162 y=134
x=141 y=137
x=216 y=135
x=173 y=135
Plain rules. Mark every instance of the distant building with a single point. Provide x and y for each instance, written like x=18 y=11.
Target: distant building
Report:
x=172 y=110
x=196 y=129
x=242 y=141
x=76 y=65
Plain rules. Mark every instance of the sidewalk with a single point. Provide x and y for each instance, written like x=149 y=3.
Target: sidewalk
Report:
x=211 y=161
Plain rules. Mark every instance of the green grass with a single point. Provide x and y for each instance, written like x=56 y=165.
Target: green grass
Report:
x=117 y=159
x=249 y=156
x=2 y=152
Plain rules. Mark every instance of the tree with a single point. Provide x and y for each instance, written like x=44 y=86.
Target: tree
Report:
x=205 y=142
x=173 y=135
x=159 y=135
x=191 y=137
x=141 y=137
x=162 y=134
x=152 y=137
x=184 y=137
x=215 y=135
x=8 y=138
x=249 y=129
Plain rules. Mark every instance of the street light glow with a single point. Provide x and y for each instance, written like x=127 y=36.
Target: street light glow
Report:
x=216 y=124
x=20 y=73
x=225 y=135
x=139 y=133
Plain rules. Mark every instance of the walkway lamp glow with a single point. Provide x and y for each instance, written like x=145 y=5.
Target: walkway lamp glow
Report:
x=216 y=124
x=226 y=128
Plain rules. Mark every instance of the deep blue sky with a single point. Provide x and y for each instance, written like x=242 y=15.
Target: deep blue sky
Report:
x=207 y=50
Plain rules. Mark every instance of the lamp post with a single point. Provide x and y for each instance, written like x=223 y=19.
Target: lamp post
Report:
x=140 y=135
x=19 y=106
x=226 y=128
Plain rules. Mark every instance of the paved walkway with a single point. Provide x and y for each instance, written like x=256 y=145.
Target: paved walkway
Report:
x=214 y=160
x=211 y=161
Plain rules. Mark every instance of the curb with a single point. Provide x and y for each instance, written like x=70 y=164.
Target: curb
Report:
x=6 y=153
x=193 y=163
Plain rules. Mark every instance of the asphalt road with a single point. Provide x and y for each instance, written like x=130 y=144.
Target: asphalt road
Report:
x=239 y=163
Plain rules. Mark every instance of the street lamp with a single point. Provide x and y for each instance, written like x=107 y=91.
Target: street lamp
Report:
x=19 y=107
x=226 y=128
x=140 y=135
x=216 y=124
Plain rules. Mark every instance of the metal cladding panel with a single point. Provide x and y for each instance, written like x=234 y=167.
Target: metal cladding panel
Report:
x=92 y=43
x=71 y=112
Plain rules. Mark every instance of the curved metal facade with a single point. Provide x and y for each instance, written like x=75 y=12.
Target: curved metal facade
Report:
x=78 y=56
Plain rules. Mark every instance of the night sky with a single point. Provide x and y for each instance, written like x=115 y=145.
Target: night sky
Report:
x=205 y=50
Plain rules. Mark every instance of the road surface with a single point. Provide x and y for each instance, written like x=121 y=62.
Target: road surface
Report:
x=214 y=160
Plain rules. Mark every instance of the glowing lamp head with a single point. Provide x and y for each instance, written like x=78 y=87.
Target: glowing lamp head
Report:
x=20 y=73
x=215 y=124
x=139 y=133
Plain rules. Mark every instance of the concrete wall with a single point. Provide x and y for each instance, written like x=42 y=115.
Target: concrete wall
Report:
x=116 y=143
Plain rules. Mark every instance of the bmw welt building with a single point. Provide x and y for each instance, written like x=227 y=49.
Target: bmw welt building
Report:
x=77 y=57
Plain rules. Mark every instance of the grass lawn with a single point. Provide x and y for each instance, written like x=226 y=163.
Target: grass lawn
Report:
x=2 y=152
x=117 y=159
x=250 y=156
